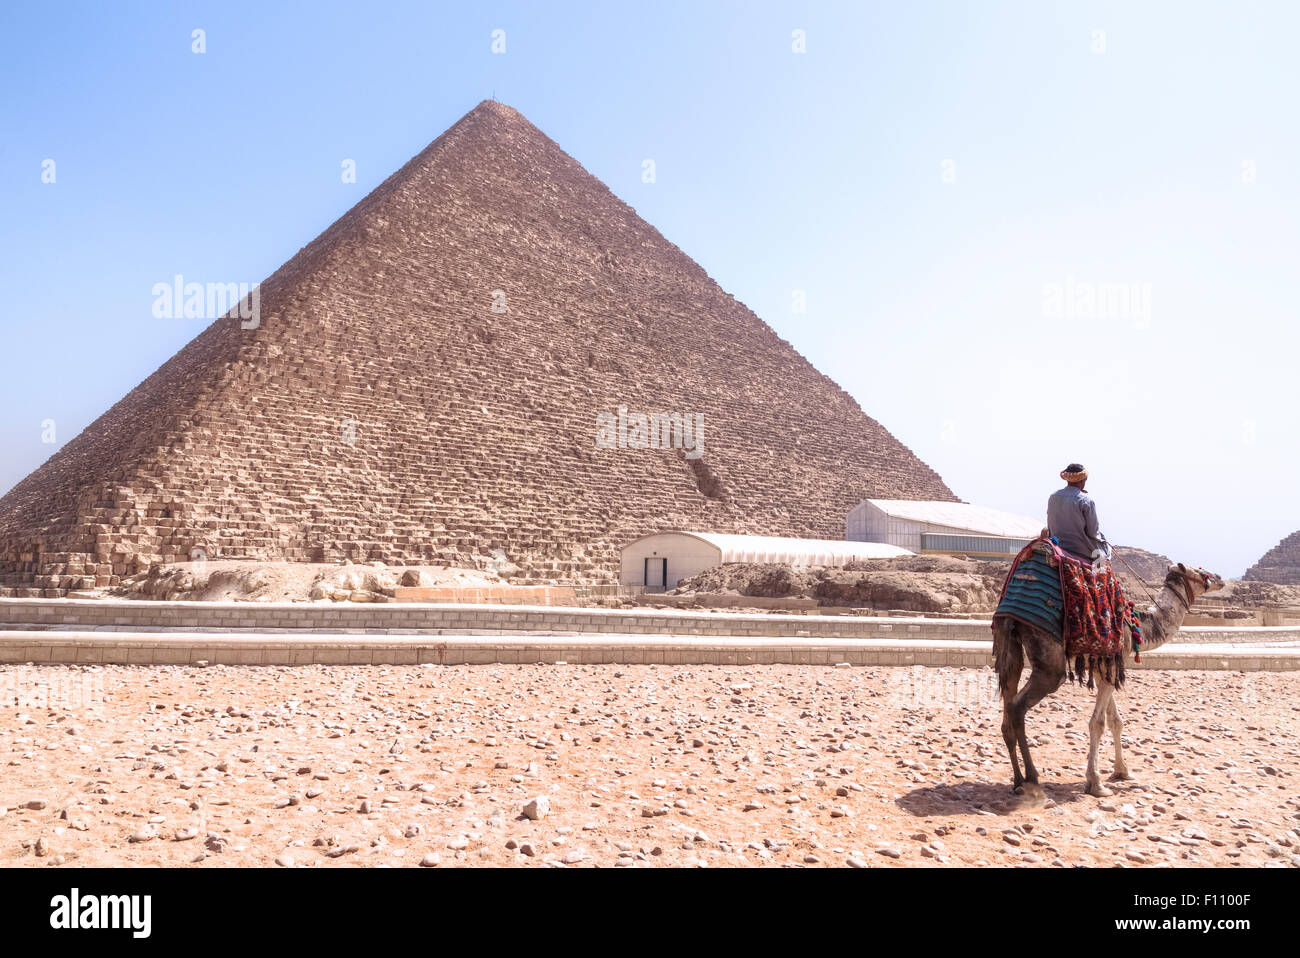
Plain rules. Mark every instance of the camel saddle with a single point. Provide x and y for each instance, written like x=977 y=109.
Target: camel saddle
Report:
x=1084 y=607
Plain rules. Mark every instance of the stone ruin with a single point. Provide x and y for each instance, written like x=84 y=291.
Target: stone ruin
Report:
x=423 y=385
x=1280 y=564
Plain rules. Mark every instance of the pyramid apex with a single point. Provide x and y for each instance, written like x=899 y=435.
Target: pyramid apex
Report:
x=495 y=106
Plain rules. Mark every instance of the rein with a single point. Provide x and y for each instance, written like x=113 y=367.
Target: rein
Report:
x=1187 y=586
x=1138 y=577
x=1185 y=600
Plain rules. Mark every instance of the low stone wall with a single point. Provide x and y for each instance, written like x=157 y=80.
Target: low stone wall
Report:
x=707 y=600
x=422 y=617
x=226 y=649
x=124 y=614
x=1238 y=618
x=549 y=595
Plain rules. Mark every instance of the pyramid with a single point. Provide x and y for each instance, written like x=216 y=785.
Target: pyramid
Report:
x=423 y=386
x=1280 y=564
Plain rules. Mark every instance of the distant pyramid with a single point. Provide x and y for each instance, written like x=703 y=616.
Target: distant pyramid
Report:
x=1280 y=564
x=383 y=410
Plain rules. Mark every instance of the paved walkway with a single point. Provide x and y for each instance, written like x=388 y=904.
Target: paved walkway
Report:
x=254 y=648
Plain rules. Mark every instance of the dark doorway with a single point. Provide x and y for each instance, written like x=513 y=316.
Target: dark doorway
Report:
x=656 y=574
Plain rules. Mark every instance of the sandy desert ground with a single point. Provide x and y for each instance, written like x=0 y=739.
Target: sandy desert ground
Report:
x=634 y=766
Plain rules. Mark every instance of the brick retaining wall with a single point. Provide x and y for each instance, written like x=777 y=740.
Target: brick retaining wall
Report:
x=111 y=614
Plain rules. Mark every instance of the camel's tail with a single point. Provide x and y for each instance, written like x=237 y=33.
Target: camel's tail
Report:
x=1008 y=656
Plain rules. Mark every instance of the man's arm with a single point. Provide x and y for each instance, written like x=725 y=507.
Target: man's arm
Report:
x=1093 y=531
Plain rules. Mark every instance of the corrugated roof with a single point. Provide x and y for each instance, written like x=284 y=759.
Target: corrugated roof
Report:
x=962 y=515
x=741 y=548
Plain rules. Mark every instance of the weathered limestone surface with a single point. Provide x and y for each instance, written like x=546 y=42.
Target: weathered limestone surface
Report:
x=471 y=430
x=1280 y=564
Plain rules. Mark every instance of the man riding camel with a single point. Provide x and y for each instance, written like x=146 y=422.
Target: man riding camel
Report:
x=1072 y=518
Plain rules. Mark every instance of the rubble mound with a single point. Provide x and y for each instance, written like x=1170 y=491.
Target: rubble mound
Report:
x=914 y=583
x=1147 y=566
x=251 y=581
x=921 y=583
x=1259 y=595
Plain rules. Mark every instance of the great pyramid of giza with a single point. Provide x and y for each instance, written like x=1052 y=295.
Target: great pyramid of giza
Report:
x=385 y=408
x=1280 y=564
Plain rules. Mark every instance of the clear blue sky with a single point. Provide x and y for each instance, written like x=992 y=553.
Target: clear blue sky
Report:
x=1162 y=154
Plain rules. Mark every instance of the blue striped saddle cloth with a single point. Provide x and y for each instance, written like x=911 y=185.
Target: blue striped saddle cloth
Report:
x=1033 y=594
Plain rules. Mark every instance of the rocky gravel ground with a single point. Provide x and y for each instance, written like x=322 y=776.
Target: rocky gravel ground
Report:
x=634 y=766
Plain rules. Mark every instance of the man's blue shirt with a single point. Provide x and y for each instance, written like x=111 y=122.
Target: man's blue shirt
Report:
x=1072 y=519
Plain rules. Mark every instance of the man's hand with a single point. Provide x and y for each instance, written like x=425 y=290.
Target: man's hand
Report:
x=1105 y=546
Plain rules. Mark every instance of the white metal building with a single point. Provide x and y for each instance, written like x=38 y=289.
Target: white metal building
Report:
x=663 y=559
x=929 y=527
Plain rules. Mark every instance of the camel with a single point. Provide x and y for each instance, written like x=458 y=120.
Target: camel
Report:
x=1013 y=640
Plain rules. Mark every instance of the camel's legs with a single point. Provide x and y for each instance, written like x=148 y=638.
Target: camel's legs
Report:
x=1117 y=730
x=1096 y=726
x=1042 y=683
x=1011 y=683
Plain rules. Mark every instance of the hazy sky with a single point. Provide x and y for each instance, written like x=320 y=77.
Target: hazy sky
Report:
x=1027 y=233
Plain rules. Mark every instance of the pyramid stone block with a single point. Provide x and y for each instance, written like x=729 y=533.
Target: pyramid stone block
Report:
x=1280 y=564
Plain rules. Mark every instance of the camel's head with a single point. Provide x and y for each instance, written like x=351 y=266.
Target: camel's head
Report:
x=1199 y=581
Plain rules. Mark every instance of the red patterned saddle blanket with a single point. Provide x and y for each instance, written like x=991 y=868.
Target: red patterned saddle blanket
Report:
x=1099 y=622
